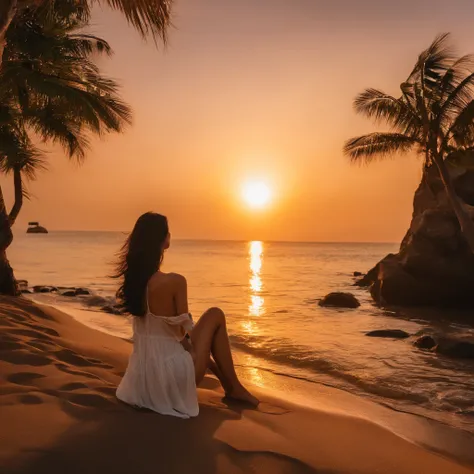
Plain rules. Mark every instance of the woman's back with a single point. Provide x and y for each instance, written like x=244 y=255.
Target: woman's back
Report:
x=160 y=375
x=161 y=294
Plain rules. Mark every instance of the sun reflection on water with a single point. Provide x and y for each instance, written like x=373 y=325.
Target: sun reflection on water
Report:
x=256 y=306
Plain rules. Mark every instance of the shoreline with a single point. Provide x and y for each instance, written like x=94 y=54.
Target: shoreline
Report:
x=119 y=326
x=60 y=411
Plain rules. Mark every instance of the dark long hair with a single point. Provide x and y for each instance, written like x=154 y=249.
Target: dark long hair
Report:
x=140 y=257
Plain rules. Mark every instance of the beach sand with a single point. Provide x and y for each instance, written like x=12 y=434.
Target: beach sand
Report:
x=59 y=414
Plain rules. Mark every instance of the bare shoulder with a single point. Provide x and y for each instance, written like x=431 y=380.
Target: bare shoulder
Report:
x=177 y=279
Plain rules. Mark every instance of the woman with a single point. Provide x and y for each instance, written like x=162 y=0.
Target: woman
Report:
x=170 y=354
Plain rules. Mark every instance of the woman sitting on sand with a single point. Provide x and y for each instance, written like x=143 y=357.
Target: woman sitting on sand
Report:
x=170 y=354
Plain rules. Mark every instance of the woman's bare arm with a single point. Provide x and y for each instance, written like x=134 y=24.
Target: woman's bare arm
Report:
x=181 y=295
x=181 y=304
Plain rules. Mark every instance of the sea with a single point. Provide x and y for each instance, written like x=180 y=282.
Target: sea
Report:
x=270 y=293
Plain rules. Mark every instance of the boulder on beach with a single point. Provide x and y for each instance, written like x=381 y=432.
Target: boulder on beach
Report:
x=455 y=347
x=69 y=293
x=44 y=289
x=434 y=266
x=425 y=342
x=95 y=300
x=82 y=292
x=112 y=309
x=339 y=300
x=390 y=333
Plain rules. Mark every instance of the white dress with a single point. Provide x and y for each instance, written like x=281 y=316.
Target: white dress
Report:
x=160 y=374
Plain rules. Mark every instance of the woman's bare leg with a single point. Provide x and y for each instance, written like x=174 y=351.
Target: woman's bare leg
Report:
x=209 y=336
x=213 y=367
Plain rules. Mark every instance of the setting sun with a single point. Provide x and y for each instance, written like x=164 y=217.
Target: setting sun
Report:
x=256 y=194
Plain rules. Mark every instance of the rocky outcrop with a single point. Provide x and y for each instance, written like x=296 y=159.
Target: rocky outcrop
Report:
x=35 y=228
x=434 y=266
x=340 y=300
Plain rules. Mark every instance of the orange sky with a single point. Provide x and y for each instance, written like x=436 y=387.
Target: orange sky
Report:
x=251 y=89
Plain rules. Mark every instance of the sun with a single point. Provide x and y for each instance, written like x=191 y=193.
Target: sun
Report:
x=256 y=194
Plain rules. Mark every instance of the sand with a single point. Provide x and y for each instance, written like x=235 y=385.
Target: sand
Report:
x=58 y=414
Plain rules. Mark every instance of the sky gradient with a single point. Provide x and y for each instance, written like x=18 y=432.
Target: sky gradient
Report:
x=251 y=90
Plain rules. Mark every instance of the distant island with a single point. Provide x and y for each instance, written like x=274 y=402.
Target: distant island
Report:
x=35 y=228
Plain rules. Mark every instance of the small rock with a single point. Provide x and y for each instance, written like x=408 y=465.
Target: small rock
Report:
x=357 y=274
x=112 y=310
x=82 y=292
x=69 y=293
x=425 y=342
x=25 y=291
x=456 y=348
x=96 y=300
x=340 y=300
x=392 y=333
x=44 y=289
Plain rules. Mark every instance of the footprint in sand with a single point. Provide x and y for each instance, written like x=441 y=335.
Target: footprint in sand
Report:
x=68 y=370
x=23 y=357
x=30 y=399
x=73 y=386
x=70 y=357
x=107 y=390
x=42 y=329
x=8 y=324
x=24 y=378
x=42 y=345
x=9 y=345
x=29 y=333
x=89 y=400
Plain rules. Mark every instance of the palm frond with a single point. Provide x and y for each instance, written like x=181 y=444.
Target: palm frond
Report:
x=149 y=17
x=462 y=128
x=433 y=62
x=51 y=126
x=85 y=45
x=379 y=106
x=366 y=148
x=454 y=75
x=459 y=98
x=18 y=152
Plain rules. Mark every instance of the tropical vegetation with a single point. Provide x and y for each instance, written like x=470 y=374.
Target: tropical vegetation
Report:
x=433 y=117
x=51 y=91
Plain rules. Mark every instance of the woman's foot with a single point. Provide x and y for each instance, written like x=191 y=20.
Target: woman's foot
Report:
x=242 y=395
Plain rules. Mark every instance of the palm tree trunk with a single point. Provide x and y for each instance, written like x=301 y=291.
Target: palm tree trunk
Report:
x=465 y=221
x=18 y=196
x=7 y=12
x=8 y=285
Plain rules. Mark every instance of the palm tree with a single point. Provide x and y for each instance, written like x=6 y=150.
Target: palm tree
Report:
x=50 y=89
x=434 y=117
x=149 y=17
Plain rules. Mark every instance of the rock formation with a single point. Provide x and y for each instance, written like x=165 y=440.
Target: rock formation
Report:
x=340 y=300
x=434 y=266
